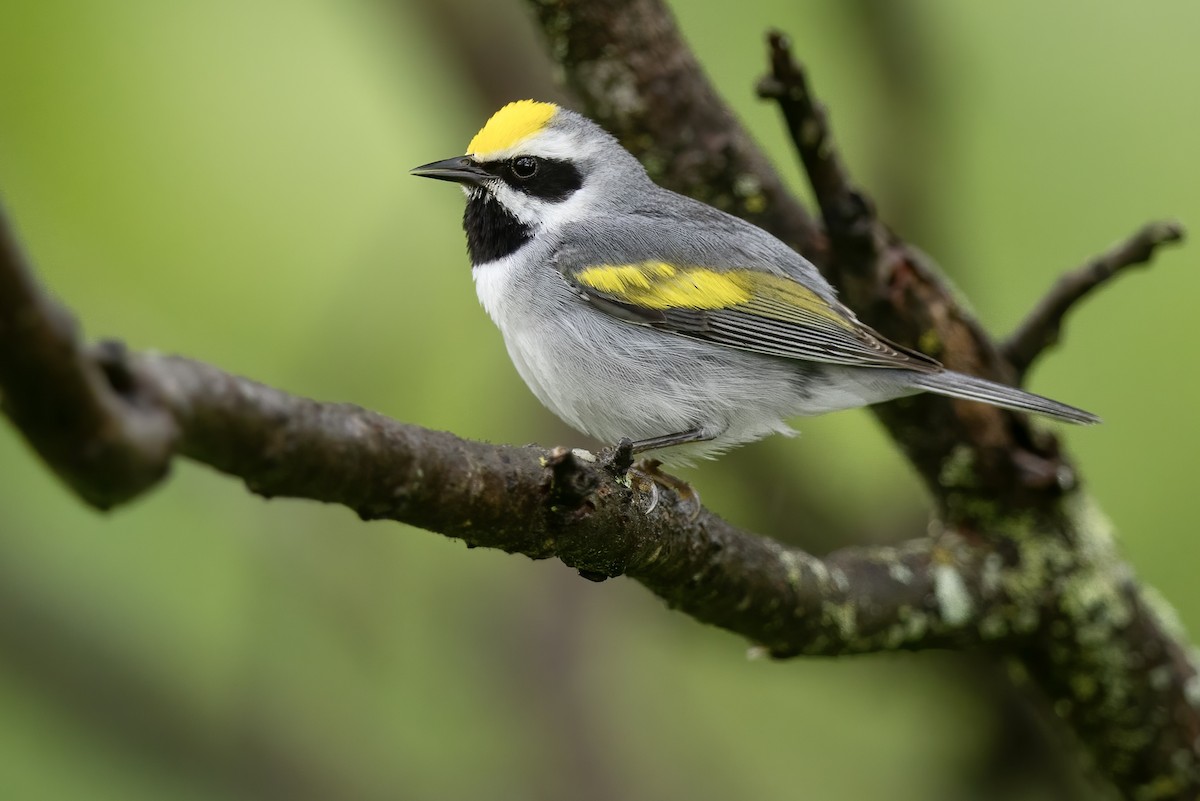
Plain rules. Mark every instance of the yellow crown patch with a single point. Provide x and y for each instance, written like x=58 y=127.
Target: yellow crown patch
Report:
x=510 y=125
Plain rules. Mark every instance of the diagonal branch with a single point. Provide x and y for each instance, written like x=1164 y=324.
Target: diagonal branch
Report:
x=520 y=500
x=559 y=504
x=1043 y=327
x=898 y=290
x=843 y=208
x=989 y=471
x=627 y=62
x=572 y=507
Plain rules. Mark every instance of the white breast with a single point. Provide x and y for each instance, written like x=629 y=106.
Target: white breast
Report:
x=507 y=290
x=494 y=287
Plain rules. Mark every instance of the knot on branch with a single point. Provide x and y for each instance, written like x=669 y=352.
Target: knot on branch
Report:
x=619 y=459
x=112 y=357
x=570 y=484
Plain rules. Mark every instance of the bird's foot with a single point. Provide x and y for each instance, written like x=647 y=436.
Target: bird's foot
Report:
x=645 y=475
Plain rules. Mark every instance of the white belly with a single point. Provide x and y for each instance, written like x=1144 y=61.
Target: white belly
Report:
x=612 y=379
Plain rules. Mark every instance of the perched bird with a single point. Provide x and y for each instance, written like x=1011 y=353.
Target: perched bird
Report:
x=633 y=311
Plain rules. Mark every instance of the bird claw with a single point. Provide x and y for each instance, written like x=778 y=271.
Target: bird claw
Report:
x=646 y=473
x=654 y=495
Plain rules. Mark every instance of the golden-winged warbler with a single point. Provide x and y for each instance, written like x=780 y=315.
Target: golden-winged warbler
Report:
x=633 y=311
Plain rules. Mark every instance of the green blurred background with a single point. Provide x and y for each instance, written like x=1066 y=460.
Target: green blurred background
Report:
x=227 y=180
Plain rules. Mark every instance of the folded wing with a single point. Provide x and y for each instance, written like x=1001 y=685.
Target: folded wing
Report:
x=746 y=309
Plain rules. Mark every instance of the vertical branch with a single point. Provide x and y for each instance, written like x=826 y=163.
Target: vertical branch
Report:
x=995 y=477
x=628 y=64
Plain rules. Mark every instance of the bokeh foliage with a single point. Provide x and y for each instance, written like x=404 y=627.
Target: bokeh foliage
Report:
x=227 y=180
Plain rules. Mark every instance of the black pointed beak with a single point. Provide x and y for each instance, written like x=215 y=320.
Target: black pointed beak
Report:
x=461 y=169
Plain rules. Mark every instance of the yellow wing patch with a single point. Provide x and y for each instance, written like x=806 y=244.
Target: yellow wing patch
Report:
x=658 y=285
x=510 y=125
x=785 y=299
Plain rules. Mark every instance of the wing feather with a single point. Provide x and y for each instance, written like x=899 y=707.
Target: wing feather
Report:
x=740 y=308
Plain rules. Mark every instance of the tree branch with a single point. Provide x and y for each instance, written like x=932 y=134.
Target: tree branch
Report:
x=993 y=475
x=558 y=504
x=1043 y=327
x=843 y=210
x=1022 y=561
x=107 y=442
x=627 y=62
x=898 y=290
x=1143 y=740
x=520 y=500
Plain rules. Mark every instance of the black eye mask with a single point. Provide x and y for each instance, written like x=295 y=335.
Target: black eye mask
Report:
x=548 y=179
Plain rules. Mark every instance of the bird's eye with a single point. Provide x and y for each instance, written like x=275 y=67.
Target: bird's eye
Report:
x=524 y=167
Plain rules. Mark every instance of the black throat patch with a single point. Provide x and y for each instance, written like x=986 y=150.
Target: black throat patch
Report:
x=492 y=231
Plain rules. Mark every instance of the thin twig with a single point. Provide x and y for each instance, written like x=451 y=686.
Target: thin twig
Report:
x=898 y=290
x=842 y=206
x=1042 y=329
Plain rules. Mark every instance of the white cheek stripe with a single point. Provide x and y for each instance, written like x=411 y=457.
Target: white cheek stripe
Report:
x=538 y=213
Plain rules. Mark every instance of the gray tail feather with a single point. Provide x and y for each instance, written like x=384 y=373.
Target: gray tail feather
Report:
x=960 y=385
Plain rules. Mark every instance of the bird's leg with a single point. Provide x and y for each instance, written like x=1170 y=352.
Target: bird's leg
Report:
x=670 y=440
x=646 y=472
